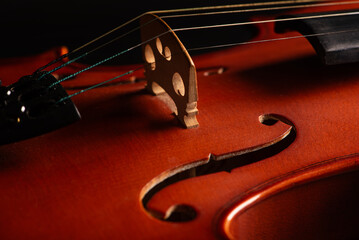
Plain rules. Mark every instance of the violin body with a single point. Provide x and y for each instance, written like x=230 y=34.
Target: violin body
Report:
x=91 y=180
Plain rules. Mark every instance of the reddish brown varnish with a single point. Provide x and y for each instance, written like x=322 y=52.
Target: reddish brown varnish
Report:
x=85 y=181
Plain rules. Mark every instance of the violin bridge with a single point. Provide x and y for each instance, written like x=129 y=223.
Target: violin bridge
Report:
x=169 y=68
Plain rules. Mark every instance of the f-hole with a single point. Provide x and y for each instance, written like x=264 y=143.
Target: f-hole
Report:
x=215 y=164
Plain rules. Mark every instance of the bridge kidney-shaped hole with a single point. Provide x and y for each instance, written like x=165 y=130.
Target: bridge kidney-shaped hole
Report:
x=159 y=46
x=167 y=54
x=150 y=57
x=178 y=84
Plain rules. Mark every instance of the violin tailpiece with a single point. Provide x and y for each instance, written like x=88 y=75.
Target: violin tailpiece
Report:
x=169 y=68
x=30 y=107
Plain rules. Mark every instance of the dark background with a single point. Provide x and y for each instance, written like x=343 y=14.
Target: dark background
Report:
x=29 y=27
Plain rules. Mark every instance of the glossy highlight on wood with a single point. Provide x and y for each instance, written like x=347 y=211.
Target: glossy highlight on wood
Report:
x=305 y=176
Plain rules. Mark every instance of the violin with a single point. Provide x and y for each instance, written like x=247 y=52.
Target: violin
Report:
x=256 y=139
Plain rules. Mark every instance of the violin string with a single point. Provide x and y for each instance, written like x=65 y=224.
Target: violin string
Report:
x=270 y=40
x=88 y=68
x=260 y=9
x=98 y=84
x=106 y=60
x=185 y=29
x=240 y=5
x=200 y=48
x=91 y=51
x=188 y=15
x=197 y=28
x=88 y=43
x=266 y=21
x=173 y=11
x=204 y=48
x=63 y=65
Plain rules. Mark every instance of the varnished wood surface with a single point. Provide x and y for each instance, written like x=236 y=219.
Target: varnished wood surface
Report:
x=315 y=202
x=85 y=181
